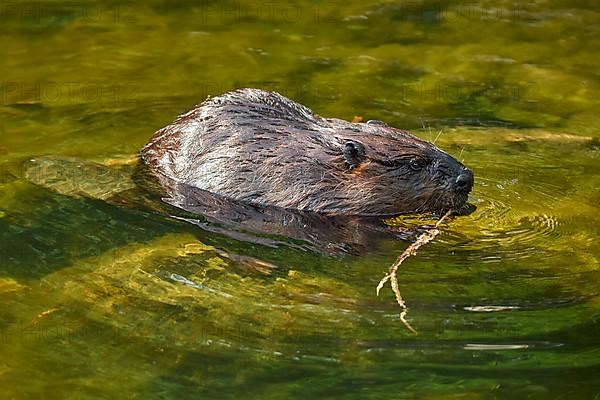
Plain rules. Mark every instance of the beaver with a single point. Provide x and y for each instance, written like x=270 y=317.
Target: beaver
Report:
x=259 y=147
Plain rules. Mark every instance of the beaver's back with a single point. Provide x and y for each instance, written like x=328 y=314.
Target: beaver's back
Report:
x=251 y=145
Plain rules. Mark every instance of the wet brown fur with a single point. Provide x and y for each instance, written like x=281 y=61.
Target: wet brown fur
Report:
x=259 y=147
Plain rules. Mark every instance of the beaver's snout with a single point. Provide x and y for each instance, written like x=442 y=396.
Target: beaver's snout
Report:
x=464 y=181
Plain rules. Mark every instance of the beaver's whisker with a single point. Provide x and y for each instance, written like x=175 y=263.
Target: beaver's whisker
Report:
x=437 y=137
x=421 y=207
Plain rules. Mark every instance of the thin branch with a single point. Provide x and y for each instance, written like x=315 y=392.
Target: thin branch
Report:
x=391 y=276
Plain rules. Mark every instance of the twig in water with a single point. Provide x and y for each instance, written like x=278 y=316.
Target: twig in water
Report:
x=411 y=250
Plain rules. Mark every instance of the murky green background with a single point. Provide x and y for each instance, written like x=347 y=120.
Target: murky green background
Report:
x=107 y=302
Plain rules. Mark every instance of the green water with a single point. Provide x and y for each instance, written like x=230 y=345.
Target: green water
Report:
x=98 y=300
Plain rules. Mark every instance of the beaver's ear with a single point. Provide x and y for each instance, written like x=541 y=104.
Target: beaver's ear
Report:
x=354 y=153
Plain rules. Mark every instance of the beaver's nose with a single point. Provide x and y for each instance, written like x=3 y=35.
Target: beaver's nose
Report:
x=464 y=181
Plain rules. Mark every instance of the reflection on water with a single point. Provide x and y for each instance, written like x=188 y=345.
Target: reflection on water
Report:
x=108 y=293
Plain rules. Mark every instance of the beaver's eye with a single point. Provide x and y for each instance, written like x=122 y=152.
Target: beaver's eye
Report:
x=417 y=164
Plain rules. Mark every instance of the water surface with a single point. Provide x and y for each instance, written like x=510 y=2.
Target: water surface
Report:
x=114 y=301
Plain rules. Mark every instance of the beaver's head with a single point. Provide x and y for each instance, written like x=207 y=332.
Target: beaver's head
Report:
x=404 y=173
